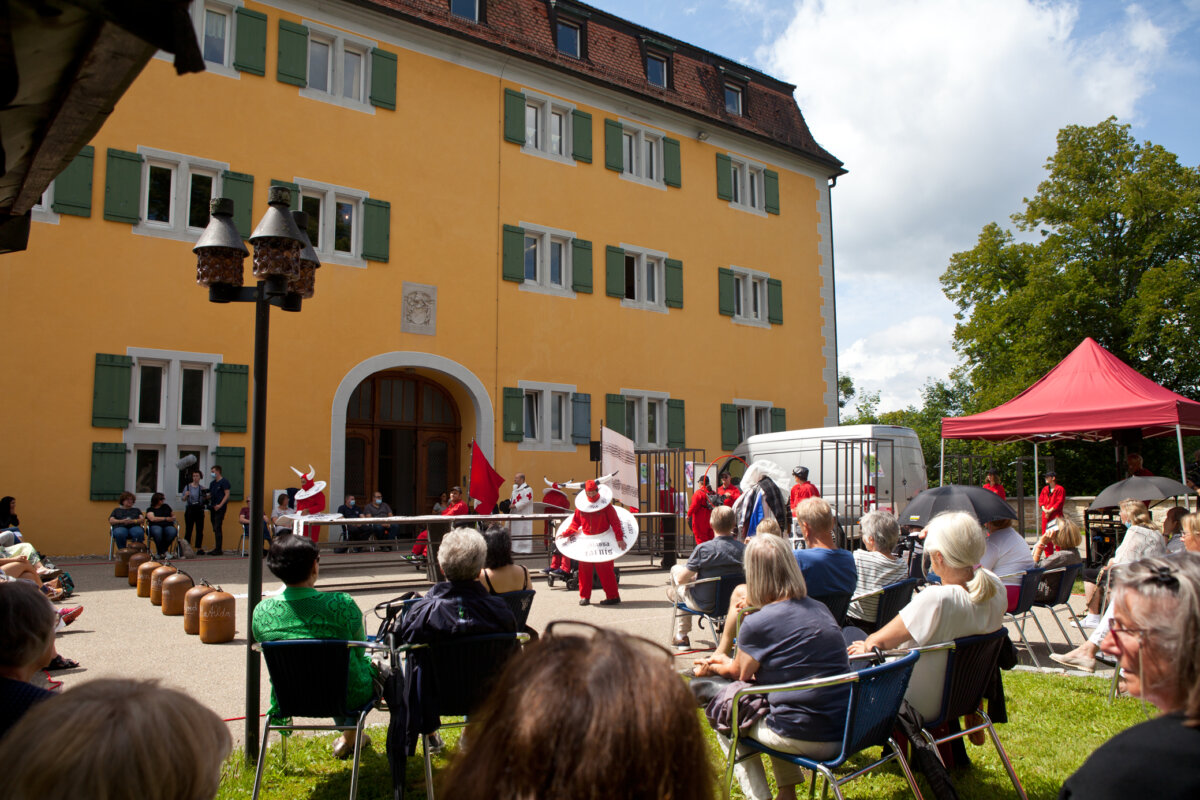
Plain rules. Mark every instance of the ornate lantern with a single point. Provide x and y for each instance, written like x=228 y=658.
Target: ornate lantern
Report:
x=304 y=282
x=277 y=243
x=220 y=251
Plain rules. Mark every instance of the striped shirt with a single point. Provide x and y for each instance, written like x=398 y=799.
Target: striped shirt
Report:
x=875 y=571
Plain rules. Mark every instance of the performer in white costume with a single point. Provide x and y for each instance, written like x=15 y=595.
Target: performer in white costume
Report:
x=521 y=503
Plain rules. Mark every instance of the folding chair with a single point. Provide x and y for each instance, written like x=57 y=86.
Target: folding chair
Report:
x=724 y=586
x=892 y=598
x=457 y=675
x=112 y=545
x=971 y=664
x=1025 y=599
x=875 y=697
x=837 y=603
x=520 y=602
x=1062 y=599
x=309 y=677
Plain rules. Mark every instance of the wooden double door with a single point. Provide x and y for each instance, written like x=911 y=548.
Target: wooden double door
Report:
x=402 y=438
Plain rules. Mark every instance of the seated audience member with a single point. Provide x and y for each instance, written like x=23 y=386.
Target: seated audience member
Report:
x=790 y=637
x=768 y=526
x=720 y=555
x=244 y=521
x=163 y=529
x=499 y=574
x=1084 y=657
x=1172 y=531
x=1007 y=556
x=303 y=612
x=970 y=600
x=126 y=521
x=456 y=508
x=27 y=623
x=1141 y=540
x=110 y=739
x=1063 y=534
x=827 y=570
x=10 y=526
x=876 y=565
x=378 y=508
x=351 y=510
x=1156 y=637
x=737 y=600
x=281 y=518
x=19 y=568
x=558 y=724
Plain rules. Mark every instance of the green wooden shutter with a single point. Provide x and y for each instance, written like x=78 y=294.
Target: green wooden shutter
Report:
x=377 y=229
x=614 y=271
x=581 y=266
x=581 y=418
x=724 y=177
x=232 y=461
x=250 y=42
x=774 y=301
x=614 y=150
x=293 y=54
x=73 y=186
x=729 y=427
x=672 y=171
x=383 y=79
x=108 y=470
x=110 y=391
x=514 y=414
x=513 y=257
x=675 y=423
x=123 y=187
x=725 y=291
x=514 y=116
x=614 y=412
x=778 y=420
x=233 y=386
x=239 y=187
x=674 y=278
x=771 y=191
x=294 y=188
x=581 y=136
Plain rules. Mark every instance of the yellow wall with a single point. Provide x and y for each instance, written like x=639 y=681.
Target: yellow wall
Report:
x=88 y=286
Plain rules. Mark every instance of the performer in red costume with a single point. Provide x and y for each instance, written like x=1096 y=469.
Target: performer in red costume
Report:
x=1051 y=500
x=310 y=499
x=802 y=489
x=992 y=484
x=455 y=508
x=594 y=514
x=728 y=490
x=699 y=511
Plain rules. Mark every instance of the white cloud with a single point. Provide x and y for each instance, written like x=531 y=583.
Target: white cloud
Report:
x=944 y=112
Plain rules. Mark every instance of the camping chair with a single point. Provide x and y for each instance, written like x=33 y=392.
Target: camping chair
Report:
x=971 y=665
x=292 y=664
x=1025 y=599
x=459 y=674
x=837 y=603
x=725 y=584
x=875 y=697
x=892 y=598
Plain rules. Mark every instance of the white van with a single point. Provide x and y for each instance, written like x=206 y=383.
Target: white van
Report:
x=858 y=468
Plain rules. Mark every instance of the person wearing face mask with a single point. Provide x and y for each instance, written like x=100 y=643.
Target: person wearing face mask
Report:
x=378 y=508
x=218 y=497
x=354 y=533
x=595 y=514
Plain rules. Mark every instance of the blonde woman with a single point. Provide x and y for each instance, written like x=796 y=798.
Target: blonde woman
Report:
x=1063 y=536
x=1141 y=540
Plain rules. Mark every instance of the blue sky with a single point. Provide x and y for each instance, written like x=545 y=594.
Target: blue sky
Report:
x=944 y=112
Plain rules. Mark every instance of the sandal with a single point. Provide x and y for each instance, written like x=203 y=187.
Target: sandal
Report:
x=59 y=662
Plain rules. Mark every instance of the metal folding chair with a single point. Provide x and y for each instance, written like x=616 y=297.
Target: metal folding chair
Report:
x=1061 y=599
x=724 y=586
x=875 y=697
x=971 y=666
x=1025 y=600
x=292 y=664
x=892 y=598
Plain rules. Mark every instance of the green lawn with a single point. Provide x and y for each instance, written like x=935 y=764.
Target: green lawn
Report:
x=1055 y=723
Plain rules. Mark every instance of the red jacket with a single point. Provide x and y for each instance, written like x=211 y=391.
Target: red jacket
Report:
x=802 y=491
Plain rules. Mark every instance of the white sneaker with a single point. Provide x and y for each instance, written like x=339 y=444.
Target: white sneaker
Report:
x=1075 y=661
x=1090 y=621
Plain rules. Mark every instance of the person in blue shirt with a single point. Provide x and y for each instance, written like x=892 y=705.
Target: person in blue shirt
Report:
x=827 y=570
x=218 y=498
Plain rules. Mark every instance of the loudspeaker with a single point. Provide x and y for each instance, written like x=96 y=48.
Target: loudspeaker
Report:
x=594 y=450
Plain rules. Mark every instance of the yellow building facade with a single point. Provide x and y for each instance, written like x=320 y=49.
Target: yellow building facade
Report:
x=533 y=218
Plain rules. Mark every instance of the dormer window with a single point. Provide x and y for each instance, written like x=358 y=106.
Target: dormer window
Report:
x=658 y=61
x=567 y=38
x=733 y=99
x=467 y=9
x=656 y=70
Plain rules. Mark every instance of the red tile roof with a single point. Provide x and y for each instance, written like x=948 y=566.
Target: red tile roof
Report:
x=614 y=57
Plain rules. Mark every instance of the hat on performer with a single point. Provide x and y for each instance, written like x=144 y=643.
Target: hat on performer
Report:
x=800 y=472
x=584 y=503
x=309 y=499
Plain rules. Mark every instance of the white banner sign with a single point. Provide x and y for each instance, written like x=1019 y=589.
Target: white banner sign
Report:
x=616 y=455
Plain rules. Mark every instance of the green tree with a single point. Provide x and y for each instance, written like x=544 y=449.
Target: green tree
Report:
x=845 y=388
x=1115 y=256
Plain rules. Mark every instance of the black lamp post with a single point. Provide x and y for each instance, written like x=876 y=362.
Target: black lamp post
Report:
x=285 y=265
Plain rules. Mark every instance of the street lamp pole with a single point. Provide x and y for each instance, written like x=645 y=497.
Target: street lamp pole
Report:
x=285 y=263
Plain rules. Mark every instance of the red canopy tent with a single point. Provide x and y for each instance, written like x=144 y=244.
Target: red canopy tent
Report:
x=1090 y=394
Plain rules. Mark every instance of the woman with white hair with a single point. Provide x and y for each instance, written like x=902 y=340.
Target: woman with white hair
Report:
x=876 y=565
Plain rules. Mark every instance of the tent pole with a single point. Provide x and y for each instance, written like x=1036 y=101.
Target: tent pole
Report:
x=942 y=465
x=1182 y=461
x=1037 y=482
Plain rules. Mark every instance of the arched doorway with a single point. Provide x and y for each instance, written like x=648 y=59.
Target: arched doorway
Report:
x=402 y=438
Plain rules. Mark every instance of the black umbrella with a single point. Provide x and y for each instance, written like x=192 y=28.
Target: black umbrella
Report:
x=1151 y=487
x=975 y=500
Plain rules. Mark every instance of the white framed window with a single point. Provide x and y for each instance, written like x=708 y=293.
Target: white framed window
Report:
x=548 y=260
x=753 y=417
x=750 y=296
x=150 y=393
x=193 y=395
x=147 y=469
x=646 y=417
x=215 y=24
x=43 y=210
x=338 y=68
x=176 y=191
x=748 y=185
x=642 y=154
x=335 y=225
x=645 y=279
x=467 y=9
x=548 y=128
x=733 y=99
x=568 y=37
x=656 y=69
x=547 y=416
